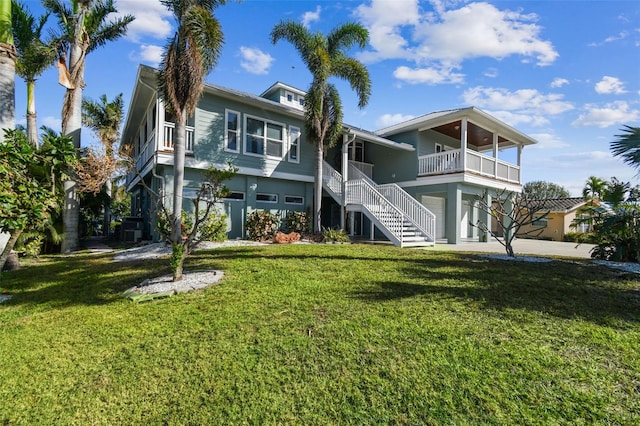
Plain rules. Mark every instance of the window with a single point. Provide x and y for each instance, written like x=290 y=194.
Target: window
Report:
x=301 y=100
x=539 y=221
x=267 y=198
x=264 y=137
x=235 y=196
x=232 y=131
x=293 y=199
x=294 y=144
x=289 y=97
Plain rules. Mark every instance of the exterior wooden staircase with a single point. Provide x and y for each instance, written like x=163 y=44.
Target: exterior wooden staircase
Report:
x=399 y=216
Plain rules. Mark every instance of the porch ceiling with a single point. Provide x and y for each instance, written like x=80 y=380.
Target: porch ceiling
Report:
x=476 y=135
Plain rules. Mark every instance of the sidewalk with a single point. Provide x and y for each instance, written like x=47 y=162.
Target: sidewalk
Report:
x=522 y=247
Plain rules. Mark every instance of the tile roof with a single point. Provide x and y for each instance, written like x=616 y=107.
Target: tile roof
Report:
x=562 y=204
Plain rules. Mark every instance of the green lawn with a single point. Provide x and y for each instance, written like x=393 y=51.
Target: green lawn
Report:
x=322 y=334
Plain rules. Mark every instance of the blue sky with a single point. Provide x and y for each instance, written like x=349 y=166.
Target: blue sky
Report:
x=566 y=72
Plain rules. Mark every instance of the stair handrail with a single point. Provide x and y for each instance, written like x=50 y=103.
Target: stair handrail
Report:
x=416 y=213
x=421 y=217
x=360 y=191
x=331 y=179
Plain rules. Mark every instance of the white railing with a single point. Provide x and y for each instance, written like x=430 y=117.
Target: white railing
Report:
x=332 y=181
x=492 y=167
x=360 y=192
x=421 y=217
x=415 y=212
x=442 y=162
x=166 y=142
x=355 y=173
x=451 y=162
x=365 y=168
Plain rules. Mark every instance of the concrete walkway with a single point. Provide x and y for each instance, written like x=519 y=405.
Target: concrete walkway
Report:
x=522 y=247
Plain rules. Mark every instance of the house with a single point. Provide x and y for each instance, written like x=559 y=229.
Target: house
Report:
x=413 y=183
x=562 y=212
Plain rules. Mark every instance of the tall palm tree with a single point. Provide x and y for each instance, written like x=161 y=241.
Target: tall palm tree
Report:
x=7 y=70
x=627 y=146
x=189 y=56
x=105 y=118
x=83 y=28
x=594 y=188
x=325 y=57
x=34 y=56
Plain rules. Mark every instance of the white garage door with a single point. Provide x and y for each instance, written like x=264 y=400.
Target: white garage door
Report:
x=436 y=206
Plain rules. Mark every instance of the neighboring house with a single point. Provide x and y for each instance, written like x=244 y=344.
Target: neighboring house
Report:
x=412 y=183
x=562 y=212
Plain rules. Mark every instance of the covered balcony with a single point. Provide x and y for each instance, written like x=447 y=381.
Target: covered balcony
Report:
x=480 y=150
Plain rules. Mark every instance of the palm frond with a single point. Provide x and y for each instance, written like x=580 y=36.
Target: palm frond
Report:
x=627 y=146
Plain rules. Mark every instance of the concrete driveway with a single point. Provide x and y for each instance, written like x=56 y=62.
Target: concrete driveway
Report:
x=522 y=247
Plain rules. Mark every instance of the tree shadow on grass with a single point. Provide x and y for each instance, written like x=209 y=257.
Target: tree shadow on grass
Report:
x=79 y=280
x=560 y=289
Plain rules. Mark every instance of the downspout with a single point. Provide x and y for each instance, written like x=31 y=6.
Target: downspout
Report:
x=345 y=174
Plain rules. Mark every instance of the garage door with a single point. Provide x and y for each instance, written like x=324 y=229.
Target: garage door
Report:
x=436 y=206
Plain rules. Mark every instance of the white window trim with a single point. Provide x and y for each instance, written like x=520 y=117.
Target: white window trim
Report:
x=301 y=203
x=267 y=194
x=239 y=140
x=264 y=146
x=297 y=160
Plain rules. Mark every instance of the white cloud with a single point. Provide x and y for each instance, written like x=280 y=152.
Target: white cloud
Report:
x=309 y=17
x=53 y=122
x=152 y=19
x=491 y=73
x=615 y=113
x=446 y=38
x=149 y=53
x=524 y=105
x=480 y=29
x=610 y=85
x=387 y=120
x=559 y=82
x=255 y=61
x=427 y=75
x=548 y=141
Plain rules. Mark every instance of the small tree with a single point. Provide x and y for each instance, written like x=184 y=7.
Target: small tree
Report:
x=199 y=226
x=542 y=190
x=512 y=212
x=28 y=195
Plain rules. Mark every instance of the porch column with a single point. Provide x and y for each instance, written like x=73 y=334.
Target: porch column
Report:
x=345 y=172
x=508 y=207
x=486 y=218
x=495 y=155
x=519 y=163
x=463 y=144
x=453 y=213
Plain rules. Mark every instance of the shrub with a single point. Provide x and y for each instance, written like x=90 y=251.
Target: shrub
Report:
x=297 y=222
x=335 y=235
x=261 y=225
x=214 y=228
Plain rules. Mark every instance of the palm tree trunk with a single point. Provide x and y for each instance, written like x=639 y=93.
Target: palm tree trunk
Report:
x=7 y=70
x=107 y=209
x=32 y=122
x=7 y=249
x=317 y=194
x=71 y=126
x=179 y=137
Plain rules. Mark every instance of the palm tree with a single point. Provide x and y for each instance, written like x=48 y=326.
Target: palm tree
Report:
x=627 y=146
x=325 y=57
x=104 y=118
x=190 y=55
x=83 y=28
x=34 y=56
x=594 y=188
x=7 y=70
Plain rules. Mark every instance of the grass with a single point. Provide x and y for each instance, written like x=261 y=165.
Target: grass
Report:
x=322 y=334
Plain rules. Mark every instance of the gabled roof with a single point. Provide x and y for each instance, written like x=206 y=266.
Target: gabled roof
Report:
x=562 y=205
x=280 y=85
x=481 y=125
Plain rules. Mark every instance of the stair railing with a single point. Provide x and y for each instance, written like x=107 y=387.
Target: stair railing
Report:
x=361 y=192
x=419 y=215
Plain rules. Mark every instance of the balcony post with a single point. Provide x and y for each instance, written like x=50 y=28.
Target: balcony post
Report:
x=495 y=155
x=463 y=144
x=345 y=176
